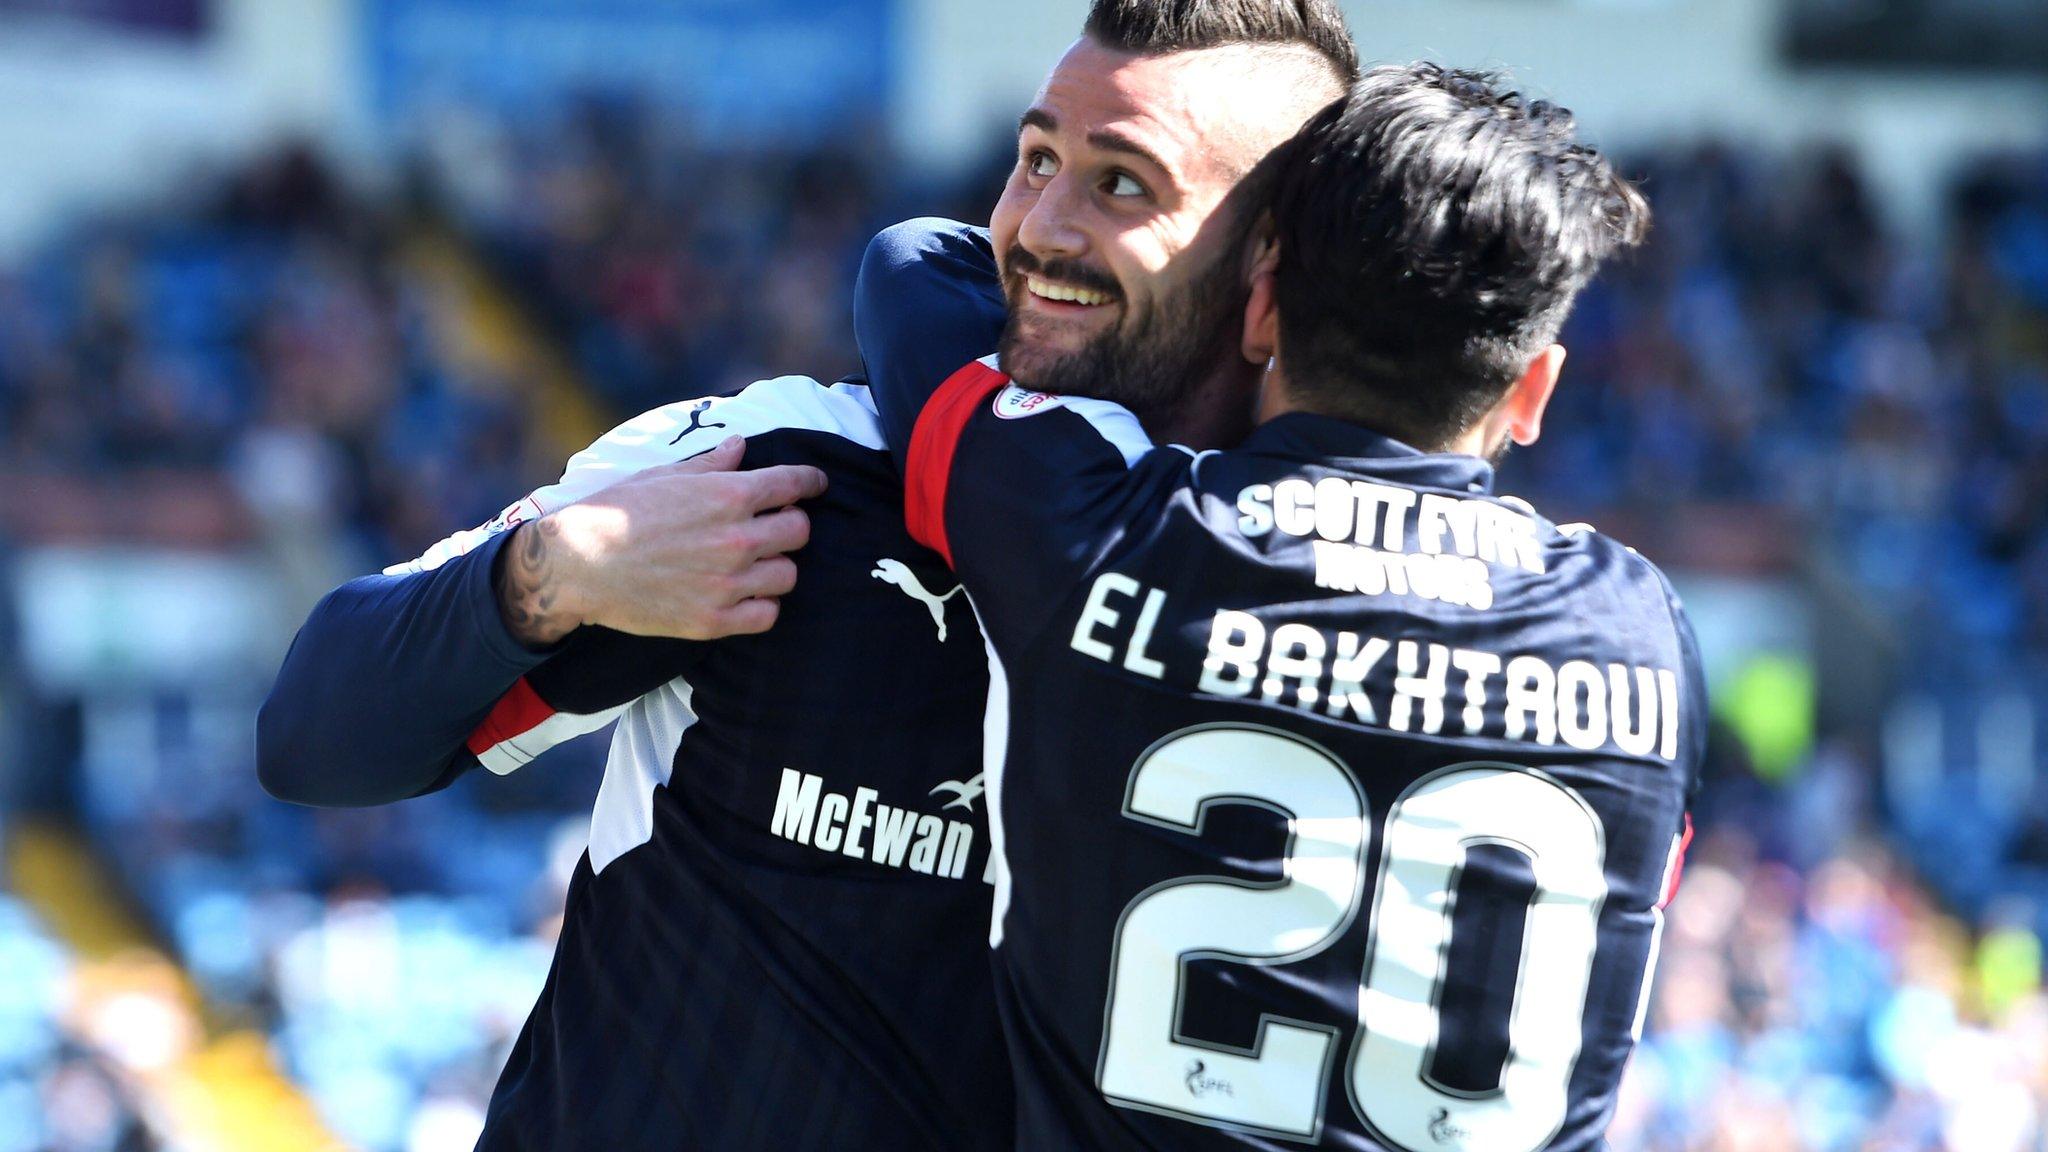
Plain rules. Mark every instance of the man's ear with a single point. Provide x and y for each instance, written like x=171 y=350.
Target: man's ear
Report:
x=1261 y=308
x=1522 y=408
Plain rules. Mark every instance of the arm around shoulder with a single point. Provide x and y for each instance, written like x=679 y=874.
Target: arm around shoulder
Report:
x=649 y=531
x=928 y=301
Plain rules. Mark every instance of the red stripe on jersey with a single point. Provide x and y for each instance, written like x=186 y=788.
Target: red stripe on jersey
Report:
x=519 y=711
x=1676 y=871
x=937 y=437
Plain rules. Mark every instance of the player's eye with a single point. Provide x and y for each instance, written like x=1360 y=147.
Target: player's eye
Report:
x=1041 y=165
x=1121 y=184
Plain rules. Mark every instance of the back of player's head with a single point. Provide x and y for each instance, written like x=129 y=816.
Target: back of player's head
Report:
x=1155 y=27
x=1434 y=229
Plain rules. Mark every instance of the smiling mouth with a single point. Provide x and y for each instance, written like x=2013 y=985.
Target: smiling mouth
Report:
x=1065 y=293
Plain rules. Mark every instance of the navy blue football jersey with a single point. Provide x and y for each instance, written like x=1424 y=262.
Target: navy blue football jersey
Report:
x=1335 y=799
x=776 y=937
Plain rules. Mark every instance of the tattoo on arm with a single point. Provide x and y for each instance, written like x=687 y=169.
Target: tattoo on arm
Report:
x=529 y=591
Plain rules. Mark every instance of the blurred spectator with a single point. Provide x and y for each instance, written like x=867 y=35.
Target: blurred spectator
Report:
x=1775 y=346
x=61 y=1089
x=263 y=353
x=671 y=269
x=1833 y=1011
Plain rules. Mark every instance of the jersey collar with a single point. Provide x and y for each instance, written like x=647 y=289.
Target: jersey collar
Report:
x=1352 y=448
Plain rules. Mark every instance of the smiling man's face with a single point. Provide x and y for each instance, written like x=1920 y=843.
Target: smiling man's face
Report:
x=1123 y=279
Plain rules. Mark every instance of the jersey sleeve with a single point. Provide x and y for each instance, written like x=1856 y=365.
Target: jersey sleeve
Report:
x=598 y=674
x=384 y=681
x=928 y=300
x=399 y=683
x=1024 y=492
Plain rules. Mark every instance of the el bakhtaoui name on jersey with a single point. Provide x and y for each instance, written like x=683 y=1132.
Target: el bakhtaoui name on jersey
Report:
x=1359 y=533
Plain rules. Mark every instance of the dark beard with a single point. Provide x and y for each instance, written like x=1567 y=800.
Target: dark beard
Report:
x=1150 y=365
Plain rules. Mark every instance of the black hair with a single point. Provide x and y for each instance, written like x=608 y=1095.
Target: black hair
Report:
x=1434 y=229
x=1153 y=27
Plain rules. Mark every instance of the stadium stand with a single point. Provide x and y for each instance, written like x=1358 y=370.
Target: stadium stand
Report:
x=1854 y=961
x=55 y=1092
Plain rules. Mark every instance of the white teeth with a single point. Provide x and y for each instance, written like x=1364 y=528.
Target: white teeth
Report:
x=1070 y=294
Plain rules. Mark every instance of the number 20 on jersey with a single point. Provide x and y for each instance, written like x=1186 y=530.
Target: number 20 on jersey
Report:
x=1279 y=1086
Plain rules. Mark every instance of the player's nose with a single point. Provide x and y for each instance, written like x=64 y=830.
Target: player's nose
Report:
x=1053 y=226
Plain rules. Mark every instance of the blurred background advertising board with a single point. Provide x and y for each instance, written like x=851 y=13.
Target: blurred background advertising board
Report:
x=178 y=18
x=1971 y=34
x=790 y=69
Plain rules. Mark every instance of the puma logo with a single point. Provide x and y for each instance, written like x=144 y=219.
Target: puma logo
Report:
x=1442 y=1130
x=897 y=573
x=965 y=792
x=696 y=421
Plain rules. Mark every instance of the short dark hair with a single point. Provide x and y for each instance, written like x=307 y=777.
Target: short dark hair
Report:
x=1434 y=229
x=1154 y=27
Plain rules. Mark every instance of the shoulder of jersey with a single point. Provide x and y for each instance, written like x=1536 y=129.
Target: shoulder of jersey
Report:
x=688 y=428
x=677 y=432
x=1614 y=556
x=902 y=243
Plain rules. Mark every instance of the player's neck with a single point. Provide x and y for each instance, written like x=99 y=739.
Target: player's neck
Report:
x=1276 y=399
x=1216 y=414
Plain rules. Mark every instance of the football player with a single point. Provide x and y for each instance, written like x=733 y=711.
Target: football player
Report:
x=1335 y=796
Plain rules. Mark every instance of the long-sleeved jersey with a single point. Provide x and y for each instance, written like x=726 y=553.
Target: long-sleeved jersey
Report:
x=777 y=937
x=1335 y=798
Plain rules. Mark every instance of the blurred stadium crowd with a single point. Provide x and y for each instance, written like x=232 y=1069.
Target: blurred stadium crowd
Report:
x=263 y=365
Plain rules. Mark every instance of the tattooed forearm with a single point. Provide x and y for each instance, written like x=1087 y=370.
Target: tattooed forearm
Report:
x=529 y=585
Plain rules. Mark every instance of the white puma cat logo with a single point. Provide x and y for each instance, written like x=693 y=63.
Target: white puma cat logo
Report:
x=897 y=573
